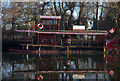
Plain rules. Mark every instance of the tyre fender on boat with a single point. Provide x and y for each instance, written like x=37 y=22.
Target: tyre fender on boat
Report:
x=40 y=78
x=40 y=26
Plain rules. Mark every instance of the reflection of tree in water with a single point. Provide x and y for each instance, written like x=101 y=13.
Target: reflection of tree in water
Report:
x=52 y=64
x=6 y=69
x=86 y=64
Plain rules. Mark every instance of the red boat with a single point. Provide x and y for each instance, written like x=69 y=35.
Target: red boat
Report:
x=48 y=34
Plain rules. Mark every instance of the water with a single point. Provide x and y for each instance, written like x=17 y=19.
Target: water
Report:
x=53 y=62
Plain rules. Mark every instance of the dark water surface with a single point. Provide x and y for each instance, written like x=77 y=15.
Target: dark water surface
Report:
x=57 y=66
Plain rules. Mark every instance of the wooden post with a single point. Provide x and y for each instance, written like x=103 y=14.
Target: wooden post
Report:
x=88 y=40
x=76 y=63
x=62 y=76
x=13 y=69
x=39 y=52
x=32 y=40
x=58 y=23
x=66 y=77
x=105 y=55
x=70 y=40
x=62 y=68
x=27 y=47
x=96 y=76
x=97 y=43
x=63 y=35
x=67 y=52
x=49 y=76
x=61 y=65
x=104 y=52
x=61 y=42
x=27 y=56
x=70 y=77
x=38 y=39
x=37 y=65
x=23 y=46
x=55 y=39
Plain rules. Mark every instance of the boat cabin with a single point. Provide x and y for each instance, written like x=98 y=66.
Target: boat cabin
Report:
x=50 y=23
x=51 y=35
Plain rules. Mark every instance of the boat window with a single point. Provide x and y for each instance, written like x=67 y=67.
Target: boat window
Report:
x=81 y=36
x=52 y=40
x=90 y=37
x=42 y=40
x=19 y=36
x=94 y=37
x=86 y=37
x=55 y=21
x=47 y=22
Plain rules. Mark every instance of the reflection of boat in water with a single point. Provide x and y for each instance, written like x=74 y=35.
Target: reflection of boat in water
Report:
x=53 y=41
x=52 y=38
x=57 y=67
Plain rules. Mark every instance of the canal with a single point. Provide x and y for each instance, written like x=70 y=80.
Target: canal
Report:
x=55 y=67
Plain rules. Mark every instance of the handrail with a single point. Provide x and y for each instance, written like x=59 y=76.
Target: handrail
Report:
x=64 y=42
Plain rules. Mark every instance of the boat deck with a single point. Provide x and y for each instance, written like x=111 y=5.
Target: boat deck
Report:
x=61 y=46
x=90 y=32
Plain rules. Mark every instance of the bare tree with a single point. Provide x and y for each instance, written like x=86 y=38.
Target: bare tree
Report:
x=79 y=21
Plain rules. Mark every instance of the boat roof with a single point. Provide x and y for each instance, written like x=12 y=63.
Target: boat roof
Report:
x=88 y=32
x=51 y=17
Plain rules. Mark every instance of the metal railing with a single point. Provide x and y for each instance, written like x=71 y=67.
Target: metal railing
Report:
x=63 y=42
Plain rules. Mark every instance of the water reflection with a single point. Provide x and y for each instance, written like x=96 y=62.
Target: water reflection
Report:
x=6 y=69
x=27 y=69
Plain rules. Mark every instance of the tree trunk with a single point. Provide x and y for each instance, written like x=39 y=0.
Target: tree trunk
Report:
x=97 y=16
x=80 y=13
x=71 y=15
x=56 y=11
